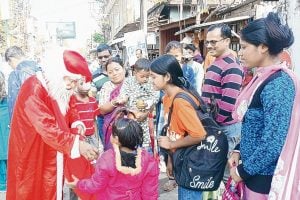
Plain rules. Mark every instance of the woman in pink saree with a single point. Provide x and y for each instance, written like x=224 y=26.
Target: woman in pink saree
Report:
x=109 y=97
x=267 y=107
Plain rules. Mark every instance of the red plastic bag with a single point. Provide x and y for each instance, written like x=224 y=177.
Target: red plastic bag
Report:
x=233 y=191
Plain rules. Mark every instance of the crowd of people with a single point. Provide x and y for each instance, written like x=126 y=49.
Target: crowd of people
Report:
x=94 y=132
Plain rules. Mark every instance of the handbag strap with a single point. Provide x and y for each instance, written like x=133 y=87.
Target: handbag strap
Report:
x=228 y=183
x=238 y=186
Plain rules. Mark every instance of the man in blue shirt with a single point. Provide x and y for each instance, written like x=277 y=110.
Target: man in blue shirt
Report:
x=22 y=69
x=104 y=54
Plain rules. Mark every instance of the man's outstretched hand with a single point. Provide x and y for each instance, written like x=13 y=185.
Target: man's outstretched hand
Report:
x=88 y=151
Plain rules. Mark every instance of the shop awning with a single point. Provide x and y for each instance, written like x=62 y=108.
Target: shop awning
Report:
x=156 y=10
x=115 y=41
x=127 y=28
x=203 y=25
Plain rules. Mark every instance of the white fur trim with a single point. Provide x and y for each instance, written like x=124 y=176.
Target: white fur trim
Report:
x=53 y=64
x=75 y=153
x=76 y=123
x=40 y=77
x=59 y=175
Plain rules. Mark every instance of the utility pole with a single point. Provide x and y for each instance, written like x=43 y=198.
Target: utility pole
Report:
x=293 y=16
x=143 y=16
x=144 y=22
x=181 y=17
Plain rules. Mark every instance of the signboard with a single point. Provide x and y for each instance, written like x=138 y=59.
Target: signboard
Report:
x=4 y=10
x=151 y=38
x=65 y=30
x=133 y=41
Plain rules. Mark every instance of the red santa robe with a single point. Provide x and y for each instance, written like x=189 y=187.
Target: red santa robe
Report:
x=38 y=133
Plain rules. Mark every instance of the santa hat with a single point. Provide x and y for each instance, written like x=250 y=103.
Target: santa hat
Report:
x=76 y=64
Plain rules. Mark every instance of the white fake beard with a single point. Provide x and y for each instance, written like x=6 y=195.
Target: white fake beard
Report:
x=54 y=71
x=57 y=90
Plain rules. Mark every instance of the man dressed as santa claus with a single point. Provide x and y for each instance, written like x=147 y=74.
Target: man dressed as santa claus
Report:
x=40 y=133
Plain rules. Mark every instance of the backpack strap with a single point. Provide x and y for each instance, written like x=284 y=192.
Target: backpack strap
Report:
x=182 y=95
x=201 y=109
x=186 y=97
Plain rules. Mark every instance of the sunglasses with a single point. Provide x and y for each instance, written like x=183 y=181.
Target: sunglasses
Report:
x=100 y=57
x=212 y=42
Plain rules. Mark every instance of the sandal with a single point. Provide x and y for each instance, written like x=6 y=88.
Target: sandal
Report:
x=170 y=185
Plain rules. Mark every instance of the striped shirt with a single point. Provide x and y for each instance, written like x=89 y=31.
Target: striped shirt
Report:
x=223 y=80
x=87 y=113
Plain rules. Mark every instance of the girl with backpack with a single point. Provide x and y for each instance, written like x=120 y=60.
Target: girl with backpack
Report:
x=185 y=128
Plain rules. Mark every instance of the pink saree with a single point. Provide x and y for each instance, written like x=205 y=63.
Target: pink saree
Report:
x=109 y=118
x=286 y=179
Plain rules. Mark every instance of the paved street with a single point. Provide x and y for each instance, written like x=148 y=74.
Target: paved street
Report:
x=165 y=195
x=2 y=195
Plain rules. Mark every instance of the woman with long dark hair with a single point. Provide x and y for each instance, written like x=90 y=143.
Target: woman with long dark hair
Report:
x=185 y=128
x=266 y=107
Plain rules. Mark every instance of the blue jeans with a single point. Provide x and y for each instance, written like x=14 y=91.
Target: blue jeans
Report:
x=100 y=122
x=234 y=137
x=186 y=194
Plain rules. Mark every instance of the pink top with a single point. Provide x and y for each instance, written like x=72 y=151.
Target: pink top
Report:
x=113 y=181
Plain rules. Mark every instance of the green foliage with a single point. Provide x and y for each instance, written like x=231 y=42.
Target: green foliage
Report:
x=98 y=38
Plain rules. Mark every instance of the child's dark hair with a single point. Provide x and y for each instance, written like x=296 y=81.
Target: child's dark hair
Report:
x=142 y=64
x=104 y=47
x=118 y=60
x=129 y=132
x=167 y=64
x=270 y=32
x=190 y=47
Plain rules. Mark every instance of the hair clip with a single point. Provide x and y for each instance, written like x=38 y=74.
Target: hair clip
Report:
x=183 y=80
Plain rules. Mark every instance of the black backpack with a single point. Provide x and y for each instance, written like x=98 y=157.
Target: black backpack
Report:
x=201 y=166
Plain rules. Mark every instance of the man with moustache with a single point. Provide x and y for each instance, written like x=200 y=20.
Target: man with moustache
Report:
x=40 y=135
x=223 y=81
x=104 y=55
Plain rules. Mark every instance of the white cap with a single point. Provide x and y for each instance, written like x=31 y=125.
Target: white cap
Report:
x=186 y=40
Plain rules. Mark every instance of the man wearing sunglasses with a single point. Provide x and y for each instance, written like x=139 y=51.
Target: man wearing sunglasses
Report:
x=223 y=81
x=104 y=54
